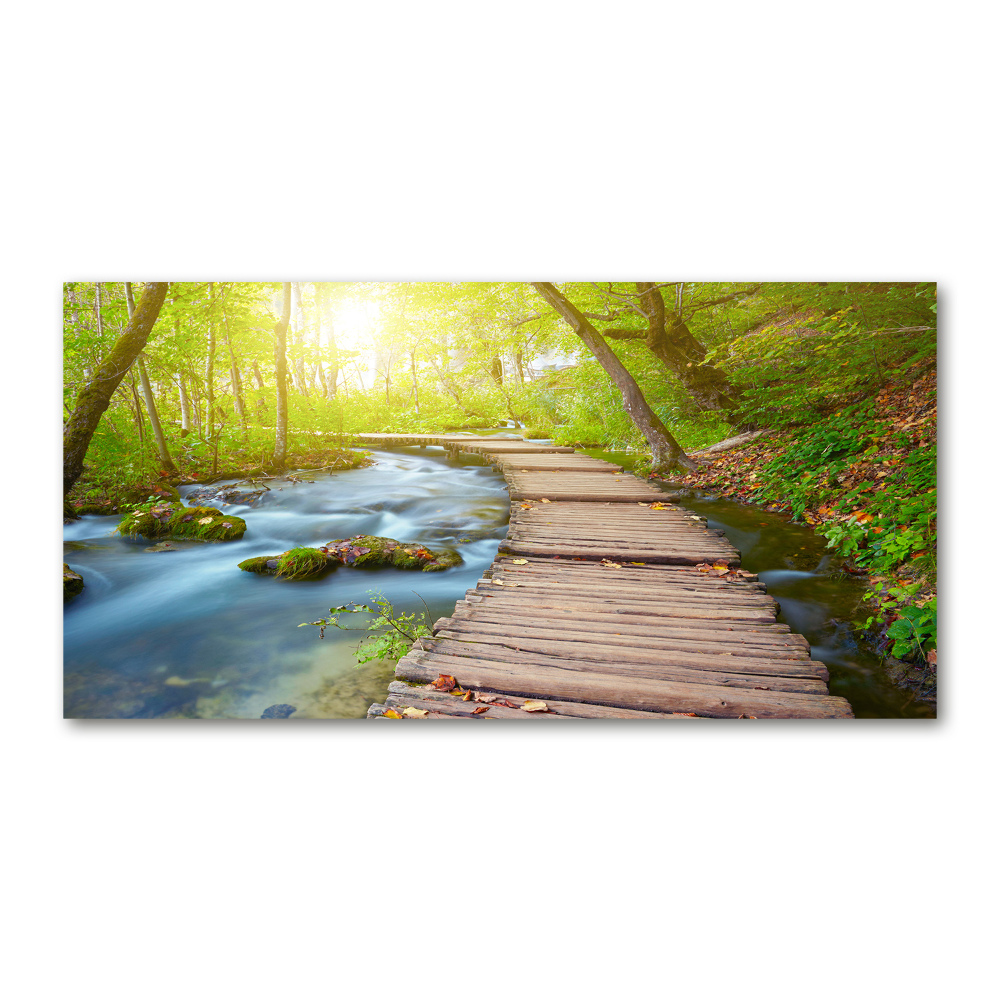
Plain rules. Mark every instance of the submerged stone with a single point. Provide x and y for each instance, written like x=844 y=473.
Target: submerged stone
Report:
x=72 y=583
x=278 y=711
x=234 y=494
x=172 y=520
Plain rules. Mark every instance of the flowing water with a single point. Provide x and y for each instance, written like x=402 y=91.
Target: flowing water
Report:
x=186 y=633
x=817 y=599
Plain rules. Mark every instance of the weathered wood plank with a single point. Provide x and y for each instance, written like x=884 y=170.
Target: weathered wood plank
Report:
x=607 y=657
x=577 y=710
x=670 y=629
x=607 y=630
x=646 y=693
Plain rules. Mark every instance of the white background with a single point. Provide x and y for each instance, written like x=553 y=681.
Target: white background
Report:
x=502 y=141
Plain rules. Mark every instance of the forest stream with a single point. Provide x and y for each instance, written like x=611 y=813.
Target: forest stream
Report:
x=187 y=634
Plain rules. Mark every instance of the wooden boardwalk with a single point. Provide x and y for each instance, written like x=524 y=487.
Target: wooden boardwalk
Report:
x=605 y=601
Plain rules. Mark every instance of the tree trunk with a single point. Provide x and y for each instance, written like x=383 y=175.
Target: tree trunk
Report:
x=147 y=392
x=496 y=369
x=209 y=425
x=666 y=452
x=669 y=338
x=333 y=367
x=234 y=375
x=280 y=379
x=95 y=396
x=185 y=406
x=413 y=371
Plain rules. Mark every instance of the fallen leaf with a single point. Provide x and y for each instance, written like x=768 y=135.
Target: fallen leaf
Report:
x=467 y=696
x=479 y=696
x=481 y=709
x=532 y=705
x=608 y=564
x=414 y=713
x=723 y=566
x=445 y=682
x=520 y=562
x=657 y=506
x=204 y=520
x=641 y=504
x=544 y=500
x=391 y=714
x=932 y=657
x=637 y=564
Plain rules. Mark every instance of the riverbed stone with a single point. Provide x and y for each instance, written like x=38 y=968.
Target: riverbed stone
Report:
x=72 y=583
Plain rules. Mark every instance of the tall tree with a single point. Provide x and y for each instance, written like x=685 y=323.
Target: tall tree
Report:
x=281 y=377
x=147 y=392
x=666 y=452
x=96 y=394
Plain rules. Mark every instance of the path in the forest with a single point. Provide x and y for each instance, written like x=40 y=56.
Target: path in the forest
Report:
x=605 y=601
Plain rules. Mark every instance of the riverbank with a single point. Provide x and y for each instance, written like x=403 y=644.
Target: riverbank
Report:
x=864 y=477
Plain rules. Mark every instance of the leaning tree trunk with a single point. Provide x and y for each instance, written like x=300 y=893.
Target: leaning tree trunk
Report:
x=95 y=396
x=147 y=393
x=280 y=379
x=666 y=452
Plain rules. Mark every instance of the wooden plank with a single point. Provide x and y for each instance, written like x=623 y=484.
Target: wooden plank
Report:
x=615 y=657
x=748 y=635
x=675 y=596
x=676 y=557
x=645 y=693
x=448 y=662
x=577 y=710
x=706 y=639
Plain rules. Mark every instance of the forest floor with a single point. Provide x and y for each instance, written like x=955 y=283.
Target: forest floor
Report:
x=864 y=476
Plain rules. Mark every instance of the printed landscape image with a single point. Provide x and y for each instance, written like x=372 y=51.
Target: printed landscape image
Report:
x=522 y=501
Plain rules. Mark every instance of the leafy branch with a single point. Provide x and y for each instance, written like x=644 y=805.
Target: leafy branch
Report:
x=388 y=635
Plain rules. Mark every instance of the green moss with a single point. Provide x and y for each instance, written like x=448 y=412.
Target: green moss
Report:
x=295 y=564
x=173 y=520
x=302 y=563
x=72 y=583
x=260 y=564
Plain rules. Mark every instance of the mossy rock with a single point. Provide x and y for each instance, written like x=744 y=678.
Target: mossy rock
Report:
x=361 y=550
x=295 y=564
x=375 y=550
x=173 y=520
x=72 y=583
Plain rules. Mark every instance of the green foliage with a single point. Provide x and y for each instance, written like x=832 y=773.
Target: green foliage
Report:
x=912 y=628
x=389 y=635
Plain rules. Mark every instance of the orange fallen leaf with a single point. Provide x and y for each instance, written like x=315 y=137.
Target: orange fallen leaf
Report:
x=445 y=682
x=533 y=705
x=467 y=696
x=721 y=565
x=390 y=713
x=481 y=709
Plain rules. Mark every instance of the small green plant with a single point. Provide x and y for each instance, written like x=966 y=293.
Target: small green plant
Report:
x=389 y=635
x=913 y=629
